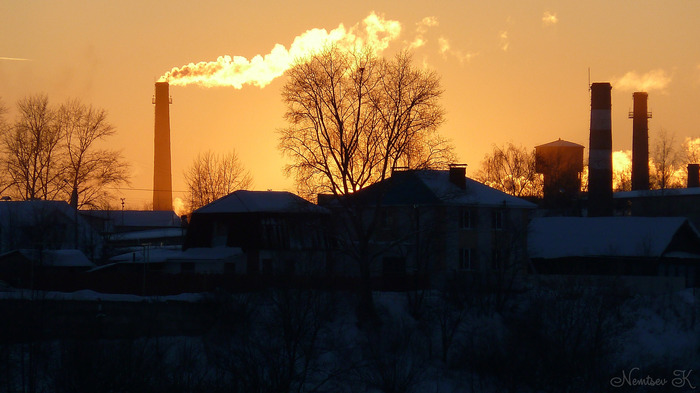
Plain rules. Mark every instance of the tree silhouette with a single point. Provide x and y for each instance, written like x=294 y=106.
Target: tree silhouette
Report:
x=50 y=152
x=213 y=176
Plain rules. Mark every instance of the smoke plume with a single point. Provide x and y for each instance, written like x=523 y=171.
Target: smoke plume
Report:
x=652 y=80
x=237 y=71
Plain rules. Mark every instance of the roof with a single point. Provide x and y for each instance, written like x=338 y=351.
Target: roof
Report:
x=658 y=193
x=55 y=258
x=137 y=218
x=558 y=237
x=434 y=187
x=243 y=201
x=164 y=254
x=560 y=143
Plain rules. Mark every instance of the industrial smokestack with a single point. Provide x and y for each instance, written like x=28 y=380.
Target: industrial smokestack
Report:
x=600 y=199
x=693 y=175
x=162 y=178
x=640 y=142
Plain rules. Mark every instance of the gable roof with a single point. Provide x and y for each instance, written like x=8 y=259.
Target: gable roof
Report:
x=137 y=218
x=243 y=201
x=559 y=237
x=421 y=187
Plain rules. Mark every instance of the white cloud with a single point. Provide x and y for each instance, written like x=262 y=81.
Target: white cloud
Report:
x=505 y=43
x=549 y=19
x=422 y=28
x=446 y=50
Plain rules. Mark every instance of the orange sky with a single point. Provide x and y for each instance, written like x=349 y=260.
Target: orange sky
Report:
x=512 y=70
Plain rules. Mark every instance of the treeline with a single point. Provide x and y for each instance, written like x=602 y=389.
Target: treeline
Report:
x=55 y=153
x=568 y=337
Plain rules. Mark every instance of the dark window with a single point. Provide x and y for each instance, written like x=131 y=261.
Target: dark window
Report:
x=467 y=218
x=498 y=219
x=467 y=258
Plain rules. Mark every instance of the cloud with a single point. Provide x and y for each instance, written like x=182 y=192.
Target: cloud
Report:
x=422 y=28
x=549 y=19
x=14 y=59
x=653 y=80
x=504 y=40
x=446 y=50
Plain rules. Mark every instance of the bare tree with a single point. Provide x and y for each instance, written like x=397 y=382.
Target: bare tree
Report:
x=32 y=153
x=89 y=169
x=49 y=153
x=511 y=169
x=213 y=176
x=665 y=159
x=353 y=118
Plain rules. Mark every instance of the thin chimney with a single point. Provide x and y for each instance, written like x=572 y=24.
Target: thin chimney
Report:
x=640 y=142
x=162 y=177
x=693 y=175
x=600 y=199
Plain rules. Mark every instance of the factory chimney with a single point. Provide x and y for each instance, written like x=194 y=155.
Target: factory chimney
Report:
x=640 y=142
x=162 y=178
x=600 y=201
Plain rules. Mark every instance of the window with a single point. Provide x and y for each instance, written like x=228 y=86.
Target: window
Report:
x=467 y=258
x=497 y=220
x=467 y=218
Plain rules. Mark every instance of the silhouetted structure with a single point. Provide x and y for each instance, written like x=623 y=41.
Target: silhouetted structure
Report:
x=693 y=175
x=600 y=152
x=162 y=178
x=561 y=163
x=640 y=142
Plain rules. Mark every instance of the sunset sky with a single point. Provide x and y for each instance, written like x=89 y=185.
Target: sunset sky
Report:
x=513 y=71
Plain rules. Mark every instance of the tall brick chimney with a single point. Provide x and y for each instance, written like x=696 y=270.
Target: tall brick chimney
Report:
x=600 y=200
x=162 y=177
x=640 y=142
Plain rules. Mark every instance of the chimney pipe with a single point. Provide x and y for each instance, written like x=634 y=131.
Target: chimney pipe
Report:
x=640 y=142
x=162 y=177
x=600 y=199
x=693 y=175
x=458 y=175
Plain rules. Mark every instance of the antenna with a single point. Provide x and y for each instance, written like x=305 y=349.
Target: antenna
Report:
x=589 y=77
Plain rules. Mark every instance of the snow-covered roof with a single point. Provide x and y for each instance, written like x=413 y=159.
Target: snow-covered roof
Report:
x=243 y=201
x=164 y=254
x=658 y=193
x=137 y=218
x=55 y=258
x=148 y=234
x=475 y=192
x=558 y=237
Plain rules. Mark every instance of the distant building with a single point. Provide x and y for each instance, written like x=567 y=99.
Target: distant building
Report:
x=640 y=249
x=131 y=230
x=278 y=232
x=46 y=225
x=431 y=222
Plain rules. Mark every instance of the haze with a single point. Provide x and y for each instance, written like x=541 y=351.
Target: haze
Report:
x=511 y=70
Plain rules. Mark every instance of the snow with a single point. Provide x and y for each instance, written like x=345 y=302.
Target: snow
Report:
x=475 y=193
x=556 y=237
x=148 y=234
x=89 y=295
x=243 y=201
x=137 y=218
x=56 y=258
x=164 y=254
